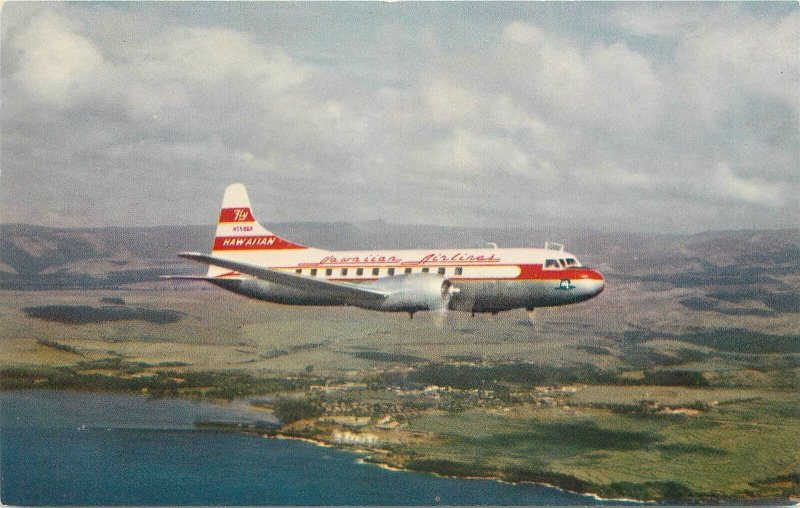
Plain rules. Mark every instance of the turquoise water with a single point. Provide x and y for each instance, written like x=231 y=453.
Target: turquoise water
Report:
x=63 y=448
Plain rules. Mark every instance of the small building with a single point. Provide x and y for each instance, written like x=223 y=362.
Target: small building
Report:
x=352 y=438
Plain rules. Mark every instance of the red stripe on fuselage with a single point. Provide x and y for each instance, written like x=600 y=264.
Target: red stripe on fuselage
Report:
x=254 y=243
x=536 y=272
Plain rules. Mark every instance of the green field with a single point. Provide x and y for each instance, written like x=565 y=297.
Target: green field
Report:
x=587 y=398
x=731 y=452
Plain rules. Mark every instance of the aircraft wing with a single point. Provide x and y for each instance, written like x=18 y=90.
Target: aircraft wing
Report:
x=338 y=289
x=186 y=277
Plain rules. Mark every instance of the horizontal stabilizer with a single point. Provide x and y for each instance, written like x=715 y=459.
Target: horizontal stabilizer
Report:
x=350 y=292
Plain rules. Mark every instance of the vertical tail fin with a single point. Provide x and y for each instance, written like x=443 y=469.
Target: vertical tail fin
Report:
x=239 y=235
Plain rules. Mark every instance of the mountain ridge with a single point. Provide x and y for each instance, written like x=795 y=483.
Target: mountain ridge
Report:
x=30 y=251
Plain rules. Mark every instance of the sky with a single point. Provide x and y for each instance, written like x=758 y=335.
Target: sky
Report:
x=645 y=117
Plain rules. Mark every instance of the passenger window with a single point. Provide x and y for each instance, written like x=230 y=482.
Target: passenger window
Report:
x=329 y=271
x=459 y=270
x=313 y=272
x=551 y=263
x=376 y=271
x=298 y=271
x=441 y=271
x=359 y=271
x=572 y=262
x=562 y=262
x=390 y=271
x=408 y=270
x=426 y=270
x=344 y=271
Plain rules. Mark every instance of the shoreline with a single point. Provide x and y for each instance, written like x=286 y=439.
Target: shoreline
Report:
x=389 y=467
x=396 y=469
x=368 y=455
x=364 y=453
x=593 y=495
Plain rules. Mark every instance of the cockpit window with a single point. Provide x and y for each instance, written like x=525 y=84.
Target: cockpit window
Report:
x=572 y=262
x=563 y=263
x=551 y=263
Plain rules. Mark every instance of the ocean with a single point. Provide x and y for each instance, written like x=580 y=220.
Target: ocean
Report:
x=68 y=448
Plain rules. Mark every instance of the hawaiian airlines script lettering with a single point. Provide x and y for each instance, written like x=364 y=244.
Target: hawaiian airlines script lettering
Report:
x=458 y=258
x=427 y=259
x=332 y=260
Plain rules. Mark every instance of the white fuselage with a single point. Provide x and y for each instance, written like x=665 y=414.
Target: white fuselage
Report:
x=488 y=280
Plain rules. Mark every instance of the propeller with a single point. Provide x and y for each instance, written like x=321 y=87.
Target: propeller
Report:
x=440 y=313
x=531 y=317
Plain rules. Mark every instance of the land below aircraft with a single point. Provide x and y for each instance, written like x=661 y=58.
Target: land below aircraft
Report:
x=251 y=261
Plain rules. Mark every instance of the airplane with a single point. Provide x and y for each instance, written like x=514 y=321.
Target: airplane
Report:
x=249 y=260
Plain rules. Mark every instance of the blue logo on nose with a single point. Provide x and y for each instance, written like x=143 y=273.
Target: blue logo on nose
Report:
x=565 y=285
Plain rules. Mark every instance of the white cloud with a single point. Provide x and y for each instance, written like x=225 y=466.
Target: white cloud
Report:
x=449 y=103
x=55 y=65
x=724 y=182
x=465 y=152
x=608 y=85
x=661 y=19
x=722 y=66
x=204 y=56
x=514 y=123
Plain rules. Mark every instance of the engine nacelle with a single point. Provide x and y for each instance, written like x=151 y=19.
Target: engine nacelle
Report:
x=414 y=292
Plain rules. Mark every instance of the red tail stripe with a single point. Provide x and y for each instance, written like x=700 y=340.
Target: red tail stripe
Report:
x=254 y=243
x=242 y=214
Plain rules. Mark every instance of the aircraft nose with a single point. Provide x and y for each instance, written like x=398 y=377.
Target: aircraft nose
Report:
x=598 y=281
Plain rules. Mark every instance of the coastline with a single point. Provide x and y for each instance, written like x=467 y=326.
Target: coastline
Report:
x=382 y=457
x=368 y=459
x=597 y=497
x=501 y=480
x=169 y=465
x=323 y=444
x=397 y=469
x=368 y=455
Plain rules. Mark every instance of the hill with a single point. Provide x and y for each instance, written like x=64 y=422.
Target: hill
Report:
x=735 y=272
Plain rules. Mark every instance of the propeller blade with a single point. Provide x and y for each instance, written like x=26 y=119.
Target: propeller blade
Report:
x=440 y=314
x=531 y=317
